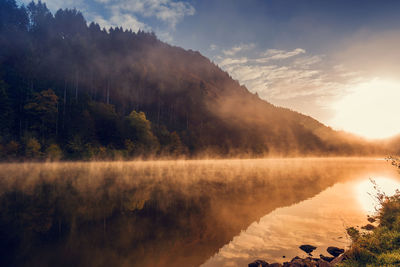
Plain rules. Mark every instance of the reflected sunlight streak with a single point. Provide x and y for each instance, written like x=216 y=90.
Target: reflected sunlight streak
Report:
x=366 y=193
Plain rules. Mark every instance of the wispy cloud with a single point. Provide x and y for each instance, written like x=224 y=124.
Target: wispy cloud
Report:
x=117 y=19
x=292 y=78
x=238 y=48
x=232 y=61
x=282 y=54
x=213 y=47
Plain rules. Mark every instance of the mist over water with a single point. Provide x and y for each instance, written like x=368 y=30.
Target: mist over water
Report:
x=169 y=213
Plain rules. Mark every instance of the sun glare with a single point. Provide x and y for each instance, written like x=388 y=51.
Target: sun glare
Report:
x=366 y=193
x=370 y=110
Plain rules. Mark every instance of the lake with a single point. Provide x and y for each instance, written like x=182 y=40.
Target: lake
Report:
x=183 y=213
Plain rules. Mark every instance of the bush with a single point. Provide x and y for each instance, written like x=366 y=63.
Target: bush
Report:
x=389 y=258
x=54 y=152
x=32 y=148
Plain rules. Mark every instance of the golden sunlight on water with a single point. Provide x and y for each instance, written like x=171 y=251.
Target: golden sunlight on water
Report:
x=320 y=221
x=366 y=192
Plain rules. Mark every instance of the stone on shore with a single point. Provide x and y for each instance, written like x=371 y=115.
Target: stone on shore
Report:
x=259 y=263
x=326 y=258
x=307 y=248
x=339 y=259
x=368 y=227
x=335 y=251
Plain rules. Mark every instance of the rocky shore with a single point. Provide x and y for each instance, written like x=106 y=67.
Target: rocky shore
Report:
x=336 y=257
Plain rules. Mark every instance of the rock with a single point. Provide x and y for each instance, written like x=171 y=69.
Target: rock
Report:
x=335 y=251
x=338 y=260
x=302 y=263
x=296 y=263
x=295 y=258
x=299 y=262
x=371 y=219
x=368 y=227
x=325 y=258
x=259 y=263
x=307 y=262
x=322 y=263
x=307 y=248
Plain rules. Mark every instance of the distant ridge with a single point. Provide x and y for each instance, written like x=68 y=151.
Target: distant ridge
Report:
x=100 y=77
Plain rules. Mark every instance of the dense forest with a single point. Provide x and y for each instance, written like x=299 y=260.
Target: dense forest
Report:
x=72 y=90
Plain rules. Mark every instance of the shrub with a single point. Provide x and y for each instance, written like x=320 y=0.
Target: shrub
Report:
x=54 y=152
x=32 y=148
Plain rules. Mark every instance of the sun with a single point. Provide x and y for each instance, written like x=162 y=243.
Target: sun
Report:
x=371 y=109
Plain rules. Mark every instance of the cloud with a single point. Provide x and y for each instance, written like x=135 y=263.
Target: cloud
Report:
x=233 y=61
x=127 y=21
x=213 y=47
x=168 y=11
x=282 y=54
x=291 y=78
x=361 y=70
x=54 y=5
x=118 y=18
x=238 y=48
x=130 y=14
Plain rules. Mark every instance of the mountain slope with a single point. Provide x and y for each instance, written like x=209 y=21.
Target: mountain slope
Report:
x=99 y=77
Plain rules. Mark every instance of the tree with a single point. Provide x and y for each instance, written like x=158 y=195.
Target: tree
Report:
x=43 y=111
x=54 y=152
x=5 y=111
x=12 y=17
x=176 y=146
x=139 y=130
x=170 y=143
x=69 y=22
x=129 y=147
x=32 y=148
x=40 y=18
x=106 y=122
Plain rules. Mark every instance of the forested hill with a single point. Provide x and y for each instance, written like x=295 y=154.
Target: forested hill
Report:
x=69 y=90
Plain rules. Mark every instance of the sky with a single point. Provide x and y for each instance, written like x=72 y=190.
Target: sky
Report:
x=335 y=60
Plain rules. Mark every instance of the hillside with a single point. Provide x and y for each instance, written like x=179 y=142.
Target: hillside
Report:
x=77 y=91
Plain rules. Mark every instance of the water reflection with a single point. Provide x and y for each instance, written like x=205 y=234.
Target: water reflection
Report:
x=320 y=221
x=366 y=191
x=174 y=213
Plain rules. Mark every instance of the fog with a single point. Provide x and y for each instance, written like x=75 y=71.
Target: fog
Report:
x=164 y=213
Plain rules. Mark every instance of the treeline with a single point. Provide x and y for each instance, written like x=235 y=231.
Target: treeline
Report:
x=54 y=105
x=99 y=132
x=75 y=91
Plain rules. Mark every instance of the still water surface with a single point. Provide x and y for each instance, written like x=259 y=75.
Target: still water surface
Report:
x=321 y=221
x=188 y=213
